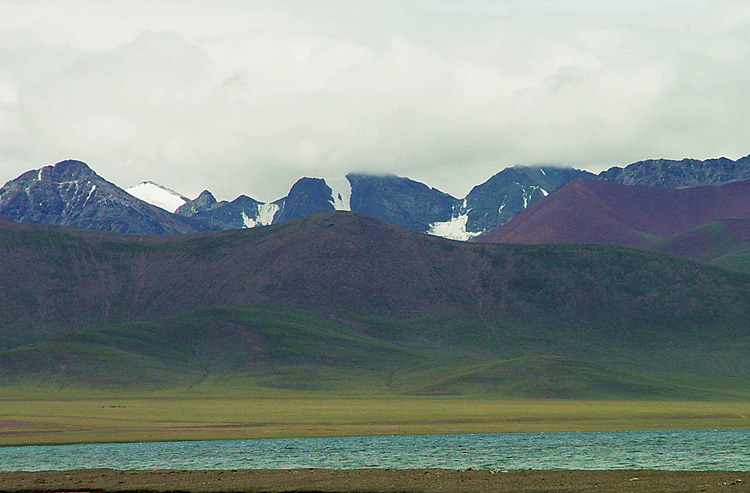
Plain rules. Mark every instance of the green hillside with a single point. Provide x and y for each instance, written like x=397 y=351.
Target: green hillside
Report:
x=347 y=304
x=724 y=243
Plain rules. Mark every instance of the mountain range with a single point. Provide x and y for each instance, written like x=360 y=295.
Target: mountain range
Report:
x=397 y=200
x=70 y=193
x=343 y=302
x=59 y=194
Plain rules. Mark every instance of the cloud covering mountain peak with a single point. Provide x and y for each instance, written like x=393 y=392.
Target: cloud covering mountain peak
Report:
x=241 y=97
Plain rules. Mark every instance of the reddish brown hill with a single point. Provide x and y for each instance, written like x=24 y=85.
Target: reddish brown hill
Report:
x=54 y=279
x=591 y=211
x=710 y=241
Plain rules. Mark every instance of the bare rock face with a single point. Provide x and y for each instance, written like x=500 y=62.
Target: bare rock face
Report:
x=202 y=203
x=307 y=196
x=684 y=173
x=70 y=193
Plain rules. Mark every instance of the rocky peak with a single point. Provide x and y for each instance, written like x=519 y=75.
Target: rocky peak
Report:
x=72 y=194
x=307 y=196
x=65 y=171
x=203 y=202
x=205 y=199
x=682 y=173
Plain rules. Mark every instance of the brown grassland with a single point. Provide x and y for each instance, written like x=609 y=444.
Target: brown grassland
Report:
x=79 y=417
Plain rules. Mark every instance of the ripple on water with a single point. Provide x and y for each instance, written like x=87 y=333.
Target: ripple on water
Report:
x=667 y=450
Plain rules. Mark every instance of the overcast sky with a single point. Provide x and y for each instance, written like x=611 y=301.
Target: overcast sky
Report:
x=242 y=96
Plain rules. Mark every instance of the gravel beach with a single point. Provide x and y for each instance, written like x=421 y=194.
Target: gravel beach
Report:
x=373 y=481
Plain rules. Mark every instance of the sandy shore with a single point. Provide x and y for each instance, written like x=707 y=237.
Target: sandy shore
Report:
x=373 y=480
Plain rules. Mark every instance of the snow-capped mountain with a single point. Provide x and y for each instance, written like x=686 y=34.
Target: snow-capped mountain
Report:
x=394 y=199
x=307 y=196
x=509 y=192
x=72 y=194
x=242 y=212
x=157 y=195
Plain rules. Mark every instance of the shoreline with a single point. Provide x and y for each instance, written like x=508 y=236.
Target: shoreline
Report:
x=373 y=481
x=77 y=418
x=296 y=437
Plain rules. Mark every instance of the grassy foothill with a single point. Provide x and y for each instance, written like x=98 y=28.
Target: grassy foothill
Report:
x=77 y=417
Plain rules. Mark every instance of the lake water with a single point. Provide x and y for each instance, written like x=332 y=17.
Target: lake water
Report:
x=669 y=450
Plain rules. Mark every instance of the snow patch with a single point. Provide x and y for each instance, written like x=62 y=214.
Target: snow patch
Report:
x=91 y=192
x=526 y=197
x=454 y=228
x=265 y=214
x=157 y=195
x=528 y=194
x=248 y=221
x=341 y=193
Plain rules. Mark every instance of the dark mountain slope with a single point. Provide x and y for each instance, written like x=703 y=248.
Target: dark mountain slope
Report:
x=345 y=296
x=70 y=193
x=400 y=201
x=510 y=191
x=590 y=211
x=306 y=197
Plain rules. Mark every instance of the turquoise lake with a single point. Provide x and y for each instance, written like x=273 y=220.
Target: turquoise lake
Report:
x=666 y=450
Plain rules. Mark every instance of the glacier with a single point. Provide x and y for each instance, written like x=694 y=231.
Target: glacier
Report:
x=341 y=193
x=266 y=212
x=454 y=228
x=157 y=195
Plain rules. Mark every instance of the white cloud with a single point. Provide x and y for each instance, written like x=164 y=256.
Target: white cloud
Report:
x=246 y=96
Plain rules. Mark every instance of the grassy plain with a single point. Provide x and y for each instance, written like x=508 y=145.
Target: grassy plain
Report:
x=77 y=417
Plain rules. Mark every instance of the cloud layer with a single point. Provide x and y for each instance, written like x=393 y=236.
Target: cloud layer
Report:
x=245 y=97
